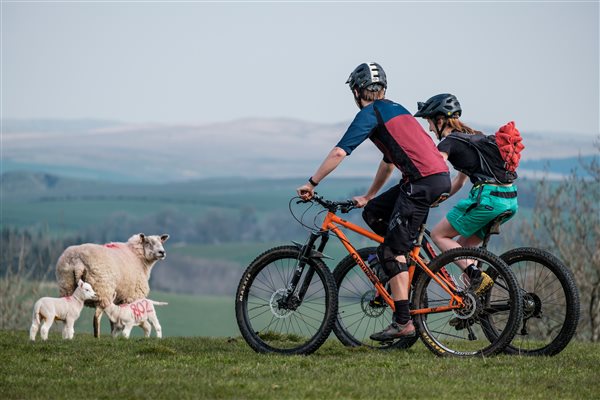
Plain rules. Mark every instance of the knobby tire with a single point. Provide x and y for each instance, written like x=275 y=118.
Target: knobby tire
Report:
x=551 y=302
x=269 y=328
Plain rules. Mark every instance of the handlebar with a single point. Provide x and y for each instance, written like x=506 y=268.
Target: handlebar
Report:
x=332 y=206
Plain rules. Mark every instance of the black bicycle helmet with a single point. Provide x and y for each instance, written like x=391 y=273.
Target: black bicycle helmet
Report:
x=368 y=76
x=444 y=104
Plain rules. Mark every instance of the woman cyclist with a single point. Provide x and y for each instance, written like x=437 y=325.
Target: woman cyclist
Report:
x=475 y=157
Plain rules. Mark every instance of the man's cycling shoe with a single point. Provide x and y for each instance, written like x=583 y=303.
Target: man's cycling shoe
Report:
x=395 y=331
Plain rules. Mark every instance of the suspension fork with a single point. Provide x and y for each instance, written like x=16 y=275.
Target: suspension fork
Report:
x=307 y=252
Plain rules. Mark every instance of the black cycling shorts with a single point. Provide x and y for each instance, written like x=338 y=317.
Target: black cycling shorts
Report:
x=401 y=210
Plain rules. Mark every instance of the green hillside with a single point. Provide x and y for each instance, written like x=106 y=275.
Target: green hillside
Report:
x=68 y=205
x=216 y=226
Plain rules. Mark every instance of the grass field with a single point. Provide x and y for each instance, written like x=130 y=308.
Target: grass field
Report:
x=195 y=367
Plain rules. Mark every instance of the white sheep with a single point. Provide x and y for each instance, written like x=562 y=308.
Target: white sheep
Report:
x=66 y=309
x=115 y=270
x=139 y=313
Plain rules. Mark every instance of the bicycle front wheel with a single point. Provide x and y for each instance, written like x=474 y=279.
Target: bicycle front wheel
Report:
x=550 y=302
x=359 y=315
x=270 y=318
x=465 y=331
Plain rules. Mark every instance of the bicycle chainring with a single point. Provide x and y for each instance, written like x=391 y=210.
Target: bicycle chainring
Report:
x=472 y=306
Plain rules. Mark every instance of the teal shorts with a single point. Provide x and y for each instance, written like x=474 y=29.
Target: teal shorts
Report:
x=485 y=202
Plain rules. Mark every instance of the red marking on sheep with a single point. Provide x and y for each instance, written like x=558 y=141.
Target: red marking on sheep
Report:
x=140 y=308
x=111 y=245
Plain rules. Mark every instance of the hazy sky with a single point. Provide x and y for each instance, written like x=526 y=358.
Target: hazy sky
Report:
x=202 y=62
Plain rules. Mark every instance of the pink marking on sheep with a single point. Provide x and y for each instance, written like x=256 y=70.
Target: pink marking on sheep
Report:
x=139 y=313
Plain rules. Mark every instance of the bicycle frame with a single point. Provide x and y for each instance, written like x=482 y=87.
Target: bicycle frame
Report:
x=332 y=223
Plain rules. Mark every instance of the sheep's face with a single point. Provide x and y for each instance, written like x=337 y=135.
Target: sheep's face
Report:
x=153 y=247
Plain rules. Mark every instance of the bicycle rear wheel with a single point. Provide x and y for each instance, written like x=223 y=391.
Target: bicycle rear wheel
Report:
x=273 y=320
x=550 y=299
x=465 y=332
x=358 y=316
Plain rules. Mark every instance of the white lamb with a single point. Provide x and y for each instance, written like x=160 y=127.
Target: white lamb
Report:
x=139 y=313
x=113 y=269
x=66 y=309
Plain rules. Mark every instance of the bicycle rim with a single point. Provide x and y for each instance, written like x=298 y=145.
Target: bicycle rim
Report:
x=550 y=302
x=465 y=332
x=358 y=315
x=269 y=325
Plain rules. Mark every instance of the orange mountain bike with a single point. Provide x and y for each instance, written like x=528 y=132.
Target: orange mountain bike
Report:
x=287 y=299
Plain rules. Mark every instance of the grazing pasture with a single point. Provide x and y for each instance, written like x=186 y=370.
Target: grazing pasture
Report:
x=201 y=367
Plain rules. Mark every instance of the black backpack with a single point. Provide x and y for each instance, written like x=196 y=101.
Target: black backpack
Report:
x=491 y=162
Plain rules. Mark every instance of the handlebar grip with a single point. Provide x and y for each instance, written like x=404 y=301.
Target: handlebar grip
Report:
x=348 y=205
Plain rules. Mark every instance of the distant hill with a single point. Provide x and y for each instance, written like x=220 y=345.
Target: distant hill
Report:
x=266 y=148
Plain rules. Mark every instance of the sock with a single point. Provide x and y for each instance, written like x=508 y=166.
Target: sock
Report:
x=473 y=272
x=401 y=315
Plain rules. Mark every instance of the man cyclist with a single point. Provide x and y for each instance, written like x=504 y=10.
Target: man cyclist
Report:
x=397 y=213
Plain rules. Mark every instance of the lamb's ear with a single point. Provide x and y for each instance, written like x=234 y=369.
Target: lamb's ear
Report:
x=164 y=237
x=114 y=296
x=80 y=283
x=142 y=237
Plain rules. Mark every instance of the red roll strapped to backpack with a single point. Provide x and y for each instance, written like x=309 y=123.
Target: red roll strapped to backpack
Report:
x=509 y=141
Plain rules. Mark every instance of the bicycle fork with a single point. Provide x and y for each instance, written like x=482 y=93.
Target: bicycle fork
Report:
x=307 y=251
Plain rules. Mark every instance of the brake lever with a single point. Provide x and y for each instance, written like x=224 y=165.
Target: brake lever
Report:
x=346 y=208
x=307 y=201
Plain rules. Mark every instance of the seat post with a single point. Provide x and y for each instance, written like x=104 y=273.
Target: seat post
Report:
x=493 y=228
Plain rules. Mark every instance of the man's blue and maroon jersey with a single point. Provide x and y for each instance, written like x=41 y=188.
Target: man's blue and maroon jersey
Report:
x=399 y=136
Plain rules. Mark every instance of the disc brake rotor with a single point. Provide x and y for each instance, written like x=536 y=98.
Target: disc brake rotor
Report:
x=368 y=309
x=275 y=304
